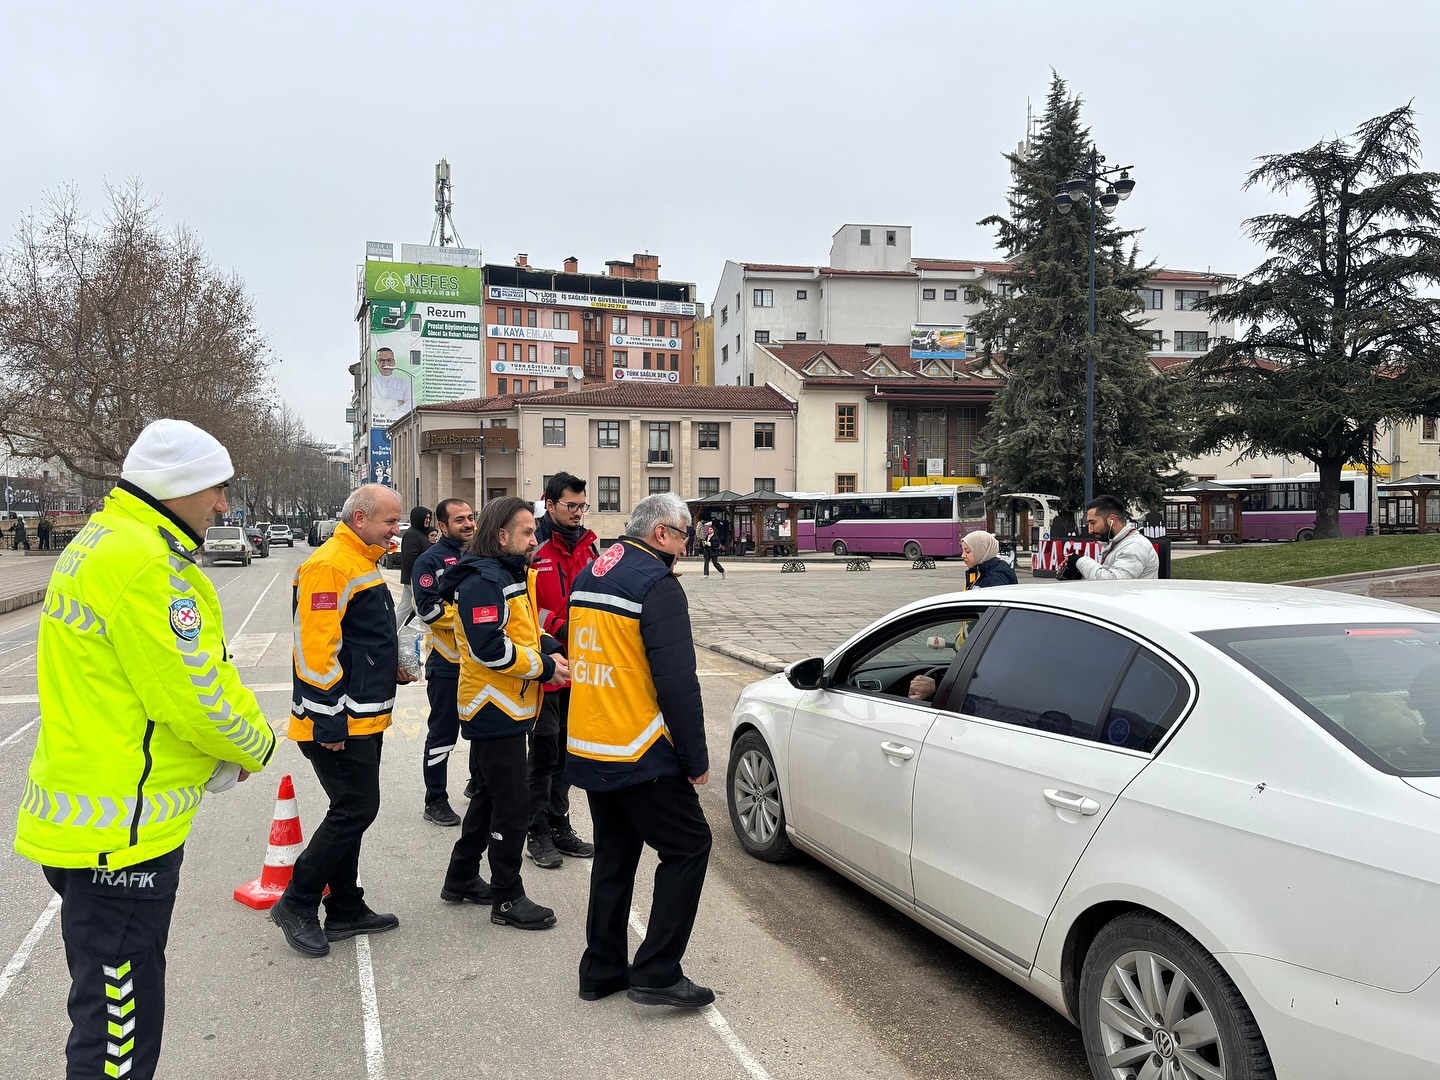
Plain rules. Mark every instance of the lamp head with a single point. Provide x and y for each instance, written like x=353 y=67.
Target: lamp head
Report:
x=1125 y=185
x=1062 y=201
x=1110 y=199
x=1078 y=188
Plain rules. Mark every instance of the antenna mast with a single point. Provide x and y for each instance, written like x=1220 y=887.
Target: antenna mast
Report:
x=438 y=235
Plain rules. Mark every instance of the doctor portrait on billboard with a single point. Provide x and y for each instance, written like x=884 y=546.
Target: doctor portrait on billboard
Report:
x=391 y=392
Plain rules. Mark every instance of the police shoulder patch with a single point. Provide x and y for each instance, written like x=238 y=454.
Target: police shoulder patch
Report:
x=185 y=618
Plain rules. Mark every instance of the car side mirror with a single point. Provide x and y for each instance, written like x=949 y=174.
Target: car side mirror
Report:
x=806 y=674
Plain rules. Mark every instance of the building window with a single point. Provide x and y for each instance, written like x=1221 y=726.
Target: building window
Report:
x=500 y=316
x=645 y=361
x=1189 y=299
x=969 y=296
x=562 y=354
x=724 y=315
x=517 y=316
x=764 y=483
x=608 y=495
x=501 y=422
x=619 y=323
x=927 y=294
x=970 y=339
x=951 y=294
x=674 y=328
x=545 y=481
x=659 y=485
x=660 y=443
x=1005 y=290
x=607 y=433
x=724 y=354
x=762 y=337
x=864 y=237
x=1427 y=428
x=1155 y=340
x=620 y=358
x=500 y=351
x=889 y=237
x=845 y=421
x=530 y=317
x=764 y=436
x=500 y=386
x=533 y=350
x=709 y=436
x=1192 y=341
x=844 y=483
x=1151 y=299
x=674 y=361
x=737 y=346
x=646 y=324
x=800 y=335
x=534 y=385
x=709 y=485
x=801 y=294
x=561 y=384
x=561 y=320
x=764 y=297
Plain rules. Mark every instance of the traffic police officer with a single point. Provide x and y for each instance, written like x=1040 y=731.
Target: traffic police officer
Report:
x=141 y=711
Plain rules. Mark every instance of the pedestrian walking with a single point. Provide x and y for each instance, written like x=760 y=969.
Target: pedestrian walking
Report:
x=637 y=747
x=981 y=552
x=42 y=533
x=141 y=712
x=710 y=546
x=19 y=538
x=434 y=585
x=412 y=544
x=504 y=662
x=346 y=667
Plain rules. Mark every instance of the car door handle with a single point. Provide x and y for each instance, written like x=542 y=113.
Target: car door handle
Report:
x=895 y=750
x=1068 y=800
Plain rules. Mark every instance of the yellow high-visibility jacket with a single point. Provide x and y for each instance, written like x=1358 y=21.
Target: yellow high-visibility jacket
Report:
x=138 y=697
x=505 y=658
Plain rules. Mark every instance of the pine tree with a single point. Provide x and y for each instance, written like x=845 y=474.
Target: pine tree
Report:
x=1035 y=437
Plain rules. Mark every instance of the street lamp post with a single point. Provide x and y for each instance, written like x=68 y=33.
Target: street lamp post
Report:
x=1082 y=189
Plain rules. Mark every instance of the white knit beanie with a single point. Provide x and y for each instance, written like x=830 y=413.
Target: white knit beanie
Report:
x=174 y=458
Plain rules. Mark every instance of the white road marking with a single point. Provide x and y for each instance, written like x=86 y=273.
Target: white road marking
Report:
x=17 y=663
x=14 y=735
x=19 y=699
x=257 y=604
x=27 y=946
x=247 y=650
x=720 y=1025
x=370 y=1009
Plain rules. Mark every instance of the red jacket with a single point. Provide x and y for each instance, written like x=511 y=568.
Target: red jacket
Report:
x=556 y=567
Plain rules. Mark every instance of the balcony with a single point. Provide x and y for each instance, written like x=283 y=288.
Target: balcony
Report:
x=660 y=459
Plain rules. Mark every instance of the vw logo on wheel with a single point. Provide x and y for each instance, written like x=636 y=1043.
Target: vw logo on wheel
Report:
x=1165 y=1043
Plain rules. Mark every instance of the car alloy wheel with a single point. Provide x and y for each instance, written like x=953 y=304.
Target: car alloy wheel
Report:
x=757 y=813
x=1154 y=1003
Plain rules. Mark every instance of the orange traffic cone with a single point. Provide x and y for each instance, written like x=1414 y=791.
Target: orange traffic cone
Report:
x=286 y=843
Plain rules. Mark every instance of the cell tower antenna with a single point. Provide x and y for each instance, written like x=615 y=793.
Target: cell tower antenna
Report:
x=443 y=205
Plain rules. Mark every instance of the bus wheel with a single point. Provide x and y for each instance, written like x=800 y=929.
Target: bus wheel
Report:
x=912 y=551
x=1305 y=534
x=839 y=548
x=1225 y=538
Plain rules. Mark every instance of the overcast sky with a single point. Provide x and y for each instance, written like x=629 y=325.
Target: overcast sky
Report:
x=287 y=135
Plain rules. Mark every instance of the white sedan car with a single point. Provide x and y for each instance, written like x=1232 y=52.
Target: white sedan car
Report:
x=1199 y=819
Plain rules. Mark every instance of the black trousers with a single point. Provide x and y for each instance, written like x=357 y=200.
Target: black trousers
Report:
x=115 y=925
x=496 y=819
x=351 y=778
x=549 y=793
x=442 y=735
x=664 y=813
x=712 y=555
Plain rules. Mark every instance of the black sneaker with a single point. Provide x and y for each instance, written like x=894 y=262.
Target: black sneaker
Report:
x=568 y=843
x=471 y=788
x=476 y=891
x=369 y=923
x=302 y=932
x=522 y=912
x=681 y=995
x=439 y=813
x=541 y=848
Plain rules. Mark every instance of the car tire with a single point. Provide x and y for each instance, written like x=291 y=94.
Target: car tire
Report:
x=757 y=811
x=1113 y=990
x=913 y=551
x=839 y=548
x=1305 y=534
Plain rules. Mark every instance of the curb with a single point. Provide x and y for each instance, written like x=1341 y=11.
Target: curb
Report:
x=20 y=600
x=764 y=661
x=1365 y=575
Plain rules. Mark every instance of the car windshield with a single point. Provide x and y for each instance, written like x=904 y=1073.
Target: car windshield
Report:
x=222 y=532
x=1375 y=687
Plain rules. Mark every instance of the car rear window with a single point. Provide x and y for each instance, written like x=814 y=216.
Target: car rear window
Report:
x=220 y=532
x=1376 y=688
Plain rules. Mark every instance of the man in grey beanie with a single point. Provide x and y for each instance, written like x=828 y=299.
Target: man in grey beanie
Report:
x=141 y=712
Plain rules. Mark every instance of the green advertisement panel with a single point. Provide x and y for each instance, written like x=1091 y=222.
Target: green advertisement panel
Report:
x=414 y=281
x=422 y=353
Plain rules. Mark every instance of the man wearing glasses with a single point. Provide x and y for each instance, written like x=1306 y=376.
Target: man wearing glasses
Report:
x=391 y=392
x=637 y=747
x=566 y=548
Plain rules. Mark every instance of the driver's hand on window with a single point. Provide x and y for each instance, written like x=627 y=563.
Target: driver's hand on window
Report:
x=922 y=688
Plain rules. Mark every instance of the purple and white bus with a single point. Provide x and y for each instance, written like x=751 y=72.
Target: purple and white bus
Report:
x=923 y=520
x=1283 y=508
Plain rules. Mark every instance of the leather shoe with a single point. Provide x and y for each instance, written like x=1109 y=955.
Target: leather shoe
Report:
x=476 y=891
x=682 y=995
x=301 y=931
x=369 y=923
x=523 y=913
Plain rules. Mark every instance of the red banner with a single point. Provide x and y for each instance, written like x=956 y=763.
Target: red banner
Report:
x=1051 y=553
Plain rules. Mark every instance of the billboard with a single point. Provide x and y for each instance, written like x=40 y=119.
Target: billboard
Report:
x=589 y=300
x=421 y=353
x=937 y=343
x=415 y=281
x=546 y=371
x=380 y=459
x=642 y=375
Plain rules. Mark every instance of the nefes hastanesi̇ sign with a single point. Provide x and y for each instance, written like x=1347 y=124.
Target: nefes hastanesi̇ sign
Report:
x=415 y=281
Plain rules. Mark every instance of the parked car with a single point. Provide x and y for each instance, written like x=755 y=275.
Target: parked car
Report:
x=225 y=543
x=280 y=534
x=320 y=531
x=259 y=541
x=1198 y=819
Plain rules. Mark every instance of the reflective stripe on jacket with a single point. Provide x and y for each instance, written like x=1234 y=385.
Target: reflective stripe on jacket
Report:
x=138 y=697
x=503 y=654
x=346 y=649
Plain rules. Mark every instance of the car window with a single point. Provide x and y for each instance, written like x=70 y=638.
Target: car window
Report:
x=1376 y=688
x=888 y=662
x=222 y=532
x=1151 y=698
x=1056 y=674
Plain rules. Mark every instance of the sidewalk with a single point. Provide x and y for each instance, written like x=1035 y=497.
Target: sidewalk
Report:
x=23 y=577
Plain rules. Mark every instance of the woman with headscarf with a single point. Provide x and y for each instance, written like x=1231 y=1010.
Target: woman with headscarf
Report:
x=981 y=552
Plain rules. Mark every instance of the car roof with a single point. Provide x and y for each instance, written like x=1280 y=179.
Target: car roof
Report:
x=1197 y=606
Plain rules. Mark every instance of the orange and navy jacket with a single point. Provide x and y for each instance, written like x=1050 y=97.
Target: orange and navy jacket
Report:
x=434 y=578
x=635 y=708
x=346 y=647
x=504 y=656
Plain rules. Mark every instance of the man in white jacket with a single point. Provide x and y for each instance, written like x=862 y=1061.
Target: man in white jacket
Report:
x=1127 y=553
